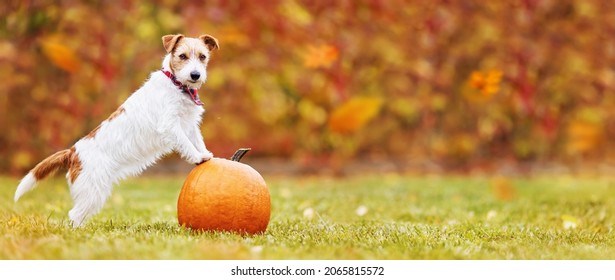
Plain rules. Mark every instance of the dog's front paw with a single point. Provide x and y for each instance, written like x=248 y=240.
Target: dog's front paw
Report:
x=205 y=157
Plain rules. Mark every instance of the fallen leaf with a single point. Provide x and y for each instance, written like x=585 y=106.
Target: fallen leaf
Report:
x=60 y=55
x=296 y=13
x=483 y=85
x=503 y=189
x=354 y=114
x=320 y=56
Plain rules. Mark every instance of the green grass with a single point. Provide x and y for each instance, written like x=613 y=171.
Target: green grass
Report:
x=408 y=217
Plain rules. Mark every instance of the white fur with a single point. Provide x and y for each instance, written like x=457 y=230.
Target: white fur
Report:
x=158 y=118
x=26 y=185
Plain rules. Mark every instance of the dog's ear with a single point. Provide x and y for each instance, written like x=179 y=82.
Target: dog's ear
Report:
x=169 y=41
x=210 y=42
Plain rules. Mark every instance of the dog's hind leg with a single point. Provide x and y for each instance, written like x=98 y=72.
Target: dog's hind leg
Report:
x=89 y=198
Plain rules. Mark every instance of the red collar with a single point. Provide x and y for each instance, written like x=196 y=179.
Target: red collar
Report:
x=185 y=89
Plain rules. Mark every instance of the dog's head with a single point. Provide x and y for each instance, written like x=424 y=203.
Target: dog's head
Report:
x=188 y=57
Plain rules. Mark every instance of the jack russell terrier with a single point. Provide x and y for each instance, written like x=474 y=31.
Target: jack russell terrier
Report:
x=160 y=117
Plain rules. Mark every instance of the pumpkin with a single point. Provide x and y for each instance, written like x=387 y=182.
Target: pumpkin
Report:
x=224 y=195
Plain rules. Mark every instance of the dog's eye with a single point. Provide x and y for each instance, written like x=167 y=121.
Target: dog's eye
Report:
x=183 y=56
x=202 y=57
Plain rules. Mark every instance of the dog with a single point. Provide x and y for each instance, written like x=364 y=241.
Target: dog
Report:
x=160 y=117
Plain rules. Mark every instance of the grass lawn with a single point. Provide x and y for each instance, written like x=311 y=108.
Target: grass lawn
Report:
x=366 y=217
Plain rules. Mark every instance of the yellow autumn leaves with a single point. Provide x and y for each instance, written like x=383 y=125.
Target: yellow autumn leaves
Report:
x=584 y=132
x=352 y=114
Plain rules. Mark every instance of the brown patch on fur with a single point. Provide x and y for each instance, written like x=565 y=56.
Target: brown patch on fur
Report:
x=210 y=41
x=74 y=168
x=52 y=163
x=170 y=41
x=113 y=115
x=63 y=159
x=93 y=132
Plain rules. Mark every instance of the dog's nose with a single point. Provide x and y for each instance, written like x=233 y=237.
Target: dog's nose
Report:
x=195 y=75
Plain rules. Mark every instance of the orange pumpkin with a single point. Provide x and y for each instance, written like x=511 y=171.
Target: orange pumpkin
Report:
x=225 y=195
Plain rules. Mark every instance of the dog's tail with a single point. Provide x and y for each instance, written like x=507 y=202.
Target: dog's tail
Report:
x=46 y=167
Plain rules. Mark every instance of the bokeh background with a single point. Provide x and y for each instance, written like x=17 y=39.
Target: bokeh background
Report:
x=323 y=84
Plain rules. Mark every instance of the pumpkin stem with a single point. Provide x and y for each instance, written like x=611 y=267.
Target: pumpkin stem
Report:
x=239 y=154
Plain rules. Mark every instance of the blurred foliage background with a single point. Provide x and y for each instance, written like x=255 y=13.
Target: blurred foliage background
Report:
x=324 y=82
